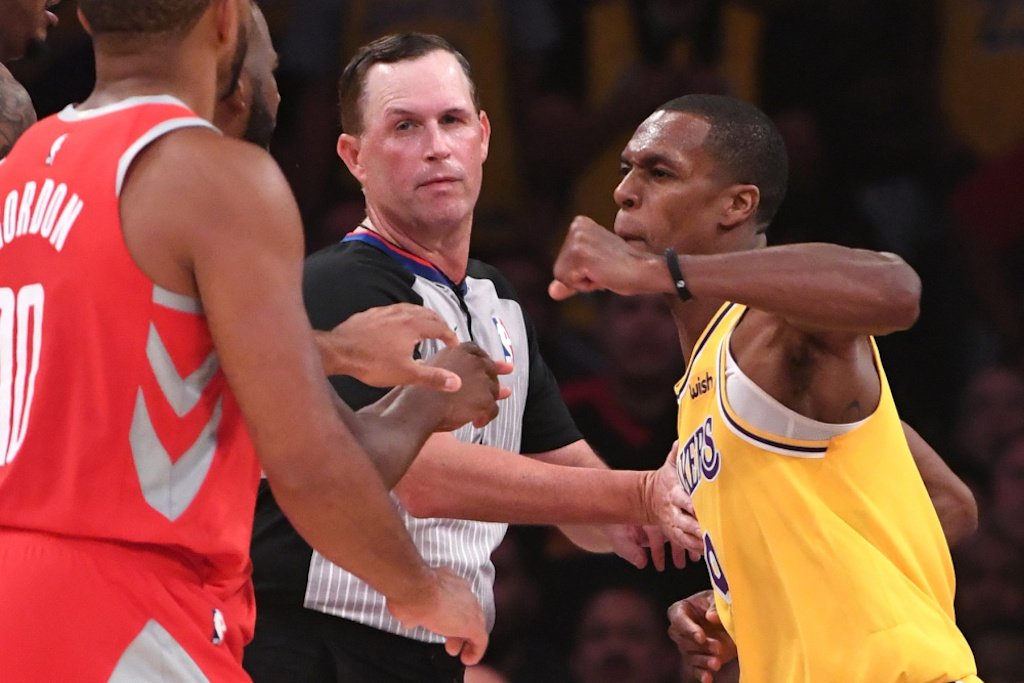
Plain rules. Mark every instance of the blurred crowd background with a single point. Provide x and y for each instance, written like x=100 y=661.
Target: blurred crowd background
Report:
x=905 y=126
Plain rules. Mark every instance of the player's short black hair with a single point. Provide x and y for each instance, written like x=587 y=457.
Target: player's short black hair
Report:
x=745 y=144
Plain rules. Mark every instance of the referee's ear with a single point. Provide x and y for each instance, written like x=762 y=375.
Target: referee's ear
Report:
x=348 y=150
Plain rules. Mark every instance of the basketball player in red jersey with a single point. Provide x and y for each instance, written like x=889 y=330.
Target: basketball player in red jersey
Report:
x=149 y=303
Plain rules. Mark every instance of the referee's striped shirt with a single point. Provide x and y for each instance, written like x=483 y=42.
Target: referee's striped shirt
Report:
x=362 y=272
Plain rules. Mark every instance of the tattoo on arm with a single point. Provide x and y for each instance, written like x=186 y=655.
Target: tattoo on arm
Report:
x=16 y=112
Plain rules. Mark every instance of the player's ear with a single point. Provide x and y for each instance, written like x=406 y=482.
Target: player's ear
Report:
x=740 y=205
x=83 y=21
x=485 y=126
x=228 y=16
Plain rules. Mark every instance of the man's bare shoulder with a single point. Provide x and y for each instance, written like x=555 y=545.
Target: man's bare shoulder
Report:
x=204 y=158
x=198 y=171
x=194 y=196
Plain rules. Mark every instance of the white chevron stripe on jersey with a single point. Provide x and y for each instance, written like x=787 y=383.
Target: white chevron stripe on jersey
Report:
x=170 y=487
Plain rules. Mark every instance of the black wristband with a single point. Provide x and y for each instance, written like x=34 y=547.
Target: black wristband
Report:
x=672 y=260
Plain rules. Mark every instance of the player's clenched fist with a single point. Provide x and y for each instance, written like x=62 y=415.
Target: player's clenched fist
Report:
x=593 y=257
x=476 y=400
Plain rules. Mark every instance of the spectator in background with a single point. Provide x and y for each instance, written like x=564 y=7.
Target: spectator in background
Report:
x=585 y=71
x=990 y=235
x=621 y=637
x=627 y=410
x=991 y=411
x=569 y=352
x=524 y=645
x=990 y=594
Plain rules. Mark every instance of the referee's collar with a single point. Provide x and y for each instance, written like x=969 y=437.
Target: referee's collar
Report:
x=407 y=260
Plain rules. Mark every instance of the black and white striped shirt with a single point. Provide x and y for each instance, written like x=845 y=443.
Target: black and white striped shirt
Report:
x=362 y=272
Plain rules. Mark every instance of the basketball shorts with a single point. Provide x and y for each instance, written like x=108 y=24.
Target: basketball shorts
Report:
x=91 y=611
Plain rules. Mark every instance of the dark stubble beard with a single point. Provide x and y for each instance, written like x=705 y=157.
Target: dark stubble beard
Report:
x=260 y=129
x=36 y=48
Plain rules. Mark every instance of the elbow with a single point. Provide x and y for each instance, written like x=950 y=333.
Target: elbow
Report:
x=418 y=500
x=966 y=518
x=901 y=296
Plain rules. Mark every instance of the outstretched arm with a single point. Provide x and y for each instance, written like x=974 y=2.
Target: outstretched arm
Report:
x=814 y=287
x=394 y=429
x=461 y=480
x=376 y=347
x=953 y=500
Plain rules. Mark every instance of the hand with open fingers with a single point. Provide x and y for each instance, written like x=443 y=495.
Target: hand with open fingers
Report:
x=593 y=257
x=696 y=629
x=673 y=510
x=376 y=347
x=451 y=610
x=629 y=543
x=476 y=400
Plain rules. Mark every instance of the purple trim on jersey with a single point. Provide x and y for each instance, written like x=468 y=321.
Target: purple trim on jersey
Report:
x=768 y=442
x=700 y=347
x=407 y=261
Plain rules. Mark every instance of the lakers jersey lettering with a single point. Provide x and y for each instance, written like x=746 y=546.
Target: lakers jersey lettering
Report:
x=698 y=457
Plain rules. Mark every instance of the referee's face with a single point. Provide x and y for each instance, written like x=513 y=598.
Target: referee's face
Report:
x=669 y=195
x=420 y=156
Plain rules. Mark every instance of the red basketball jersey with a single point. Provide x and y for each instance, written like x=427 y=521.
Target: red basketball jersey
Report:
x=116 y=421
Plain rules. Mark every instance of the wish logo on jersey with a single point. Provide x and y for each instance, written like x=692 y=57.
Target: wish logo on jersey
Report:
x=504 y=338
x=698 y=457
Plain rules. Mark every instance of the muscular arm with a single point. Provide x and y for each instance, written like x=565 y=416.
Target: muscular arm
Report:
x=815 y=287
x=953 y=500
x=234 y=216
x=16 y=112
x=812 y=307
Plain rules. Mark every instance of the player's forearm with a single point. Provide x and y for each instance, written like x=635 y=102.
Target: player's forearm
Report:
x=470 y=481
x=815 y=286
x=952 y=498
x=393 y=430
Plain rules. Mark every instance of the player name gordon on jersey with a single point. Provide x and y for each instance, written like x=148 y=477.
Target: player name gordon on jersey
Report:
x=48 y=212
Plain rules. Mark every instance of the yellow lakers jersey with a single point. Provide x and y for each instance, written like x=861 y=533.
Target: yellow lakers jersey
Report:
x=827 y=558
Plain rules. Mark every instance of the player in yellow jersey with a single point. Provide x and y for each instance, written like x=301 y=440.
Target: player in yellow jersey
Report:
x=826 y=554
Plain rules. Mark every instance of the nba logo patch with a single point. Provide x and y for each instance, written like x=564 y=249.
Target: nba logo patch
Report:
x=504 y=338
x=220 y=627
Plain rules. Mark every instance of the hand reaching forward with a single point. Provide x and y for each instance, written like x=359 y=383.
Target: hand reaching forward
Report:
x=593 y=257
x=673 y=510
x=696 y=629
x=476 y=399
x=376 y=347
x=451 y=610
